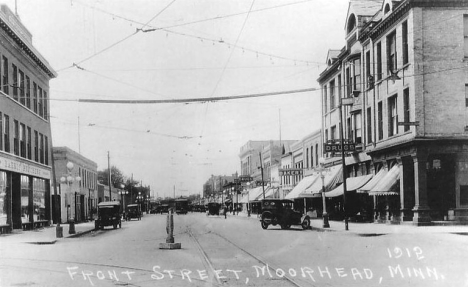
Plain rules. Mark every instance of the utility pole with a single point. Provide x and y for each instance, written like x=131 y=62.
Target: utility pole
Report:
x=261 y=168
x=344 y=166
x=110 y=178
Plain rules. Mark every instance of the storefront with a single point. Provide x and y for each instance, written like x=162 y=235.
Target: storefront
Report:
x=24 y=195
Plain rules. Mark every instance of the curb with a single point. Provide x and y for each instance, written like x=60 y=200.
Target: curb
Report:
x=78 y=234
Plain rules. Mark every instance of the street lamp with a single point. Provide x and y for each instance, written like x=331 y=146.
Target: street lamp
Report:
x=69 y=179
x=122 y=197
x=322 y=171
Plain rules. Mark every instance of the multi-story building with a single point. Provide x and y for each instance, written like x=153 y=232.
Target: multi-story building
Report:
x=76 y=176
x=25 y=134
x=403 y=70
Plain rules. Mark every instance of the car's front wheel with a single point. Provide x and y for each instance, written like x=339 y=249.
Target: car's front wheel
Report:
x=264 y=225
x=305 y=223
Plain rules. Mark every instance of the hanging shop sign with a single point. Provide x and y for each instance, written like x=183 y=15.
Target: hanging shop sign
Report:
x=290 y=171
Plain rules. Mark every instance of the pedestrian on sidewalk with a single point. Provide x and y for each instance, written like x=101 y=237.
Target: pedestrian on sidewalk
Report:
x=225 y=212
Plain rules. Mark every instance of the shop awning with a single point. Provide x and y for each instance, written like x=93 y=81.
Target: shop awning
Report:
x=244 y=199
x=301 y=186
x=352 y=183
x=331 y=178
x=373 y=182
x=253 y=193
x=388 y=184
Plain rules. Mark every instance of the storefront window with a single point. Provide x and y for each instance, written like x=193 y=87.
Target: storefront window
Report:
x=24 y=199
x=3 y=198
x=39 y=199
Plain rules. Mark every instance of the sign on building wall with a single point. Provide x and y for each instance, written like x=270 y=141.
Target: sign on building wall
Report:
x=290 y=171
x=24 y=168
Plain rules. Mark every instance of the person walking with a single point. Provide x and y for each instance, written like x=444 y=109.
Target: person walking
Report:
x=225 y=212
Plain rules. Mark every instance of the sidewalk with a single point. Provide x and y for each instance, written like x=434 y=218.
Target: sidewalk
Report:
x=369 y=229
x=46 y=235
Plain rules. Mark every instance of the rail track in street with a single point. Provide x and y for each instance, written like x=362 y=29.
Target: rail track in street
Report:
x=217 y=256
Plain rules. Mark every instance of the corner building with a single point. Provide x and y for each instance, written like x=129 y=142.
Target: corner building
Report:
x=404 y=71
x=25 y=134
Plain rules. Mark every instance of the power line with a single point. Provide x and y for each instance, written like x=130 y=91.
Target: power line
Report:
x=195 y=100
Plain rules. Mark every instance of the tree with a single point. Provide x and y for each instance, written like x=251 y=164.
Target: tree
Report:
x=116 y=176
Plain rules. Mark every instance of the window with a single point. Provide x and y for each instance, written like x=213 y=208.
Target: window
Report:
x=349 y=83
x=40 y=101
x=406 y=109
x=465 y=34
x=316 y=155
x=22 y=98
x=392 y=116
x=391 y=53
x=379 y=61
x=356 y=66
x=404 y=39
x=6 y=133
x=332 y=94
x=15 y=82
x=333 y=133
x=36 y=146
x=349 y=130
x=339 y=88
x=28 y=144
x=357 y=128
x=5 y=82
x=307 y=157
x=45 y=106
x=22 y=140
x=35 y=97
x=369 y=125
x=326 y=136
x=368 y=70
x=16 y=138
x=325 y=98
x=311 y=156
x=46 y=150
x=28 y=92
x=380 y=121
x=41 y=148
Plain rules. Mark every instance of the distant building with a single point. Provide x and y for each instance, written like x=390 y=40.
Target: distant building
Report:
x=25 y=134
x=78 y=186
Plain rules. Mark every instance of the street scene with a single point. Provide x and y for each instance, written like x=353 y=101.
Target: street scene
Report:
x=236 y=251
x=233 y=143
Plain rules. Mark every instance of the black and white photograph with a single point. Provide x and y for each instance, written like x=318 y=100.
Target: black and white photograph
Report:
x=233 y=143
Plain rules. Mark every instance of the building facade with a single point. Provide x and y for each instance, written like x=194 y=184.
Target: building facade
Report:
x=402 y=75
x=76 y=177
x=25 y=133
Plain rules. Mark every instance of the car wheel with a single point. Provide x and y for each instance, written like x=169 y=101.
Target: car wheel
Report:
x=306 y=224
x=115 y=226
x=120 y=224
x=264 y=225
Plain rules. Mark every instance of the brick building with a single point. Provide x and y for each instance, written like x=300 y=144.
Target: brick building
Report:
x=25 y=134
x=404 y=69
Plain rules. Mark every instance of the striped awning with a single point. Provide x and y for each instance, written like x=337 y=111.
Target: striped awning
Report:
x=330 y=180
x=352 y=184
x=388 y=184
x=373 y=182
x=301 y=186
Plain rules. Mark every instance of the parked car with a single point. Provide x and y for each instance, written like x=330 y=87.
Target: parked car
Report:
x=133 y=211
x=280 y=212
x=108 y=214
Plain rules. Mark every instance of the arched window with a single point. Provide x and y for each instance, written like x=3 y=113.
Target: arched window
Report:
x=351 y=23
x=386 y=9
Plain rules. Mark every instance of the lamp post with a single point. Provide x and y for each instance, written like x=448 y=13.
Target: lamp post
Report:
x=322 y=171
x=122 y=197
x=69 y=179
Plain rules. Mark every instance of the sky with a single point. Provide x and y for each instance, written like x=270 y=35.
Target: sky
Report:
x=181 y=49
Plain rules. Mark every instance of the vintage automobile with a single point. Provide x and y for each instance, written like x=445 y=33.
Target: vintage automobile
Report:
x=164 y=208
x=133 y=211
x=181 y=206
x=213 y=208
x=109 y=214
x=280 y=212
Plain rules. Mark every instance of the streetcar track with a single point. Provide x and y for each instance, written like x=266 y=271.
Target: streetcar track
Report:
x=212 y=269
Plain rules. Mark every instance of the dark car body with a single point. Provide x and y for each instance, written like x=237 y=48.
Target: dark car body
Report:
x=164 y=208
x=109 y=214
x=133 y=211
x=213 y=208
x=181 y=206
x=280 y=212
